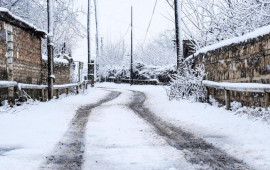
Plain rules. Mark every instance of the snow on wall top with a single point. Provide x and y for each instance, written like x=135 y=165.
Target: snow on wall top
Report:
x=30 y=25
x=8 y=83
x=56 y=60
x=242 y=87
x=254 y=34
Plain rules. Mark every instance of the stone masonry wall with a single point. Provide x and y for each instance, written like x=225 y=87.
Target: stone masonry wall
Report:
x=61 y=73
x=27 y=57
x=246 y=62
x=28 y=66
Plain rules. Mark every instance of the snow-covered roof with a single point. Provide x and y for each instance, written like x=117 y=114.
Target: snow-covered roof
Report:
x=254 y=34
x=7 y=16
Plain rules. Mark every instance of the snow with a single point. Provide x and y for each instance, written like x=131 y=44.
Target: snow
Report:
x=244 y=87
x=56 y=60
x=117 y=139
x=8 y=83
x=30 y=134
x=63 y=86
x=239 y=136
x=254 y=34
x=21 y=20
x=31 y=86
x=52 y=76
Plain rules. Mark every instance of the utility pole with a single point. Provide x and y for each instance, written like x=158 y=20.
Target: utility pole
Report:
x=97 y=36
x=178 y=32
x=131 y=52
x=101 y=45
x=50 y=49
x=89 y=39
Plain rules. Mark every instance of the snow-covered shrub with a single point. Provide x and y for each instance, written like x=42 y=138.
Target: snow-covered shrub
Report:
x=187 y=84
x=140 y=72
x=146 y=72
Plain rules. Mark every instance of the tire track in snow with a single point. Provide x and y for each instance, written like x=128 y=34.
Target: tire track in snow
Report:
x=197 y=150
x=68 y=153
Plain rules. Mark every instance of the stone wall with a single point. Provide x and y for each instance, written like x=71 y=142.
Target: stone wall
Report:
x=27 y=66
x=245 y=62
x=61 y=73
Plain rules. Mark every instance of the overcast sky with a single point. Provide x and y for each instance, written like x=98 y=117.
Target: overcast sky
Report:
x=114 y=22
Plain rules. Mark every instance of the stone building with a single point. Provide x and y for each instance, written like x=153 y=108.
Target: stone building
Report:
x=21 y=54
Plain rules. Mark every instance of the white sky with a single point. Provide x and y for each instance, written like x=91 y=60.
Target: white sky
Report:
x=114 y=21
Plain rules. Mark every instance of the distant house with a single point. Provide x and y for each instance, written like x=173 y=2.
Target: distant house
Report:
x=21 y=53
x=188 y=48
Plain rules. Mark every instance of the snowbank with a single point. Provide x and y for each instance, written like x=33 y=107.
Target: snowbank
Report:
x=258 y=32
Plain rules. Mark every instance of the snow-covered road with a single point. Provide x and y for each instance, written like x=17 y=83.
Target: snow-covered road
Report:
x=240 y=136
x=122 y=127
x=69 y=152
x=119 y=139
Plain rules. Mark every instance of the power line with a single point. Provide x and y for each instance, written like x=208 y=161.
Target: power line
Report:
x=125 y=33
x=150 y=21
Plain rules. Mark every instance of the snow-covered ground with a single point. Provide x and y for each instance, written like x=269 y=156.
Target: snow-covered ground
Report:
x=118 y=139
x=30 y=134
x=241 y=137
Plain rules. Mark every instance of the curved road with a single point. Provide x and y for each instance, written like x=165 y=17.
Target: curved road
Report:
x=69 y=152
x=196 y=149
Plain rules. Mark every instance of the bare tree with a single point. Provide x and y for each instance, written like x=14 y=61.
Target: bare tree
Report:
x=67 y=28
x=209 y=21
